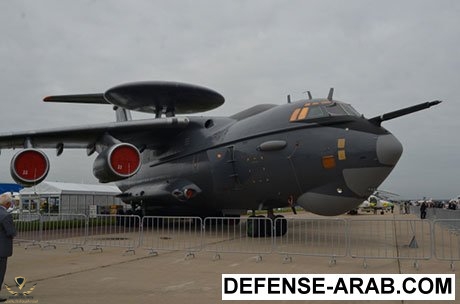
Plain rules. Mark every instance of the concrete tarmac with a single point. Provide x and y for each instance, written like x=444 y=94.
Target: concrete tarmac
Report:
x=111 y=277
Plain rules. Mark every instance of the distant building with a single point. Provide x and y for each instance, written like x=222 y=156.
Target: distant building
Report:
x=68 y=198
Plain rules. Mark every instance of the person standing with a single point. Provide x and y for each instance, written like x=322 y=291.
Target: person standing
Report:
x=7 y=233
x=423 y=207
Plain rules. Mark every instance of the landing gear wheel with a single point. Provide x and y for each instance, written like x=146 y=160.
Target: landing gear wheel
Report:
x=280 y=225
x=256 y=226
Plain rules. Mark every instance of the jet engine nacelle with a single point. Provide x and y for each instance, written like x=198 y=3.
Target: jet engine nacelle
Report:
x=117 y=162
x=29 y=167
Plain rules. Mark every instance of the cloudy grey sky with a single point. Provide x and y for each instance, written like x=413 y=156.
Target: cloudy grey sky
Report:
x=378 y=55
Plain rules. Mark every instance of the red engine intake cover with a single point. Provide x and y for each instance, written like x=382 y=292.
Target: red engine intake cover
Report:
x=117 y=162
x=124 y=160
x=29 y=167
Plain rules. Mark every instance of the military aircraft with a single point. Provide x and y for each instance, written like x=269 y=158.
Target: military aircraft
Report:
x=320 y=154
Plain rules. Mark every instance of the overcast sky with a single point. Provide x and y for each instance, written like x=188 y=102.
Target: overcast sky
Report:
x=378 y=55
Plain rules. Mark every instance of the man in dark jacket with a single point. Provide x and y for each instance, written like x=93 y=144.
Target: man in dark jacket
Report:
x=423 y=207
x=7 y=233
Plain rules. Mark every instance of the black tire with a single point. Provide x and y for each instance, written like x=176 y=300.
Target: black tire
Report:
x=280 y=225
x=256 y=226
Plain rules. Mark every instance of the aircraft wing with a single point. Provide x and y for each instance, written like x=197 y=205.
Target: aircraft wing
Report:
x=159 y=97
x=148 y=132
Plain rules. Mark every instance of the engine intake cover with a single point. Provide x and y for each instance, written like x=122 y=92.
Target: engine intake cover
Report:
x=29 y=167
x=118 y=162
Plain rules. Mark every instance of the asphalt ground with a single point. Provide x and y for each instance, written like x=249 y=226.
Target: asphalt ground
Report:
x=111 y=276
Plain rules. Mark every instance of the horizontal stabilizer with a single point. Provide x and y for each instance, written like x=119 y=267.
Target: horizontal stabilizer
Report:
x=391 y=115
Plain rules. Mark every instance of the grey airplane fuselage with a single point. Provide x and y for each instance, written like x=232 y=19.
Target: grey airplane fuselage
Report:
x=307 y=153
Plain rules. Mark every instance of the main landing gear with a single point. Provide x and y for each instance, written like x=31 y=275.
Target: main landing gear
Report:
x=261 y=226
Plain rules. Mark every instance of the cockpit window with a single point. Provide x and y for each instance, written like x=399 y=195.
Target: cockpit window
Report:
x=315 y=112
x=322 y=109
x=350 y=110
x=336 y=109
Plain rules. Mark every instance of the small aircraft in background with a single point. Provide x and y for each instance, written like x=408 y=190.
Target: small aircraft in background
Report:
x=454 y=203
x=379 y=200
x=320 y=154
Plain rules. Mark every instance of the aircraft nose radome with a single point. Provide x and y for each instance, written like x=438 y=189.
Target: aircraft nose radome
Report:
x=329 y=205
x=389 y=149
x=363 y=181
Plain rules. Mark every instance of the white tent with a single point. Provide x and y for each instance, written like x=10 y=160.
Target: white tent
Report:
x=56 y=197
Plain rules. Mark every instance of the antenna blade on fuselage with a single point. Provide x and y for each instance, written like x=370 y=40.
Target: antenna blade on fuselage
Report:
x=331 y=93
x=391 y=115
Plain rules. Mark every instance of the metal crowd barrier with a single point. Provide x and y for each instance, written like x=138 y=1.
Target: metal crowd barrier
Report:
x=114 y=231
x=63 y=229
x=172 y=234
x=404 y=239
x=78 y=230
x=312 y=237
x=252 y=235
x=447 y=240
x=390 y=239
x=28 y=229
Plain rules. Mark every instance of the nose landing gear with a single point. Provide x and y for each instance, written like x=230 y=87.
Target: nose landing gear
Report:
x=261 y=226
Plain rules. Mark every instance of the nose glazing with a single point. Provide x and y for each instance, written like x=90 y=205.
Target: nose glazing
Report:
x=388 y=149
